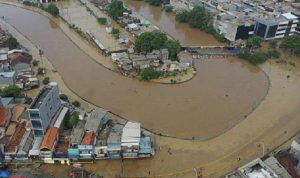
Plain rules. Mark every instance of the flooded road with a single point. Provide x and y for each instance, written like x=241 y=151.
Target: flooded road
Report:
x=223 y=92
x=167 y=23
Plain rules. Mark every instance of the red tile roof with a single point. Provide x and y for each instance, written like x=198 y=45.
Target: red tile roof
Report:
x=88 y=138
x=3 y=116
x=184 y=56
x=16 y=58
x=17 y=112
x=49 y=138
x=16 y=138
x=289 y=164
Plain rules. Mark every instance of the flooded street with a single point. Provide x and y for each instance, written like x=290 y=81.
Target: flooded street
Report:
x=223 y=92
x=167 y=23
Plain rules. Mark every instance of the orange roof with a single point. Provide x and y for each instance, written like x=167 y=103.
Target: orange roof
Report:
x=16 y=138
x=49 y=138
x=17 y=112
x=88 y=138
x=3 y=115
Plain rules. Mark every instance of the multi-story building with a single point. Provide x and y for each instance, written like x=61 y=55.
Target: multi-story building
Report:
x=43 y=108
x=276 y=27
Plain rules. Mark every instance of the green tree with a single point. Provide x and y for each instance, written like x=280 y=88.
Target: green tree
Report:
x=182 y=16
x=148 y=41
x=76 y=103
x=12 y=43
x=150 y=73
x=11 y=91
x=168 y=8
x=35 y=63
x=40 y=71
x=46 y=80
x=173 y=47
x=53 y=10
x=154 y=2
x=254 y=42
x=116 y=9
x=102 y=20
x=291 y=43
x=63 y=97
x=72 y=120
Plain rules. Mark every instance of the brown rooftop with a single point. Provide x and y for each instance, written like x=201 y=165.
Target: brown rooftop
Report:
x=49 y=138
x=88 y=138
x=16 y=138
x=3 y=115
x=17 y=112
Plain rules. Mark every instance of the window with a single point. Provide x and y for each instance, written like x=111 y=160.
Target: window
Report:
x=38 y=133
x=36 y=124
x=34 y=114
x=260 y=30
x=272 y=31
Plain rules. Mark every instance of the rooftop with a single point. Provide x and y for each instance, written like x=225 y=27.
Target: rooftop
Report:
x=41 y=96
x=49 y=138
x=11 y=128
x=16 y=138
x=61 y=117
x=88 y=138
x=131 y=133
x=77 y=132
x=94 y=119
x=3 y=115
x=17 y=111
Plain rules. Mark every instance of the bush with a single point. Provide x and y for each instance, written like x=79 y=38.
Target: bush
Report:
x=35 y=63
x=40 y=71
x=11 y=91
x=291 y=43
x=46 y=80
x=273 y=54
x=72 y=120
x=254 y=42
x=53 y=10
x=154 y=2
x=12 y=43
x=63 y=97
x=150 y=73
x=115 y=9
x=102 y=20
x=28 y=3
x=76 y=103
x=273 y=44
x=258 y=57
x=115 y=32
x=168 y=8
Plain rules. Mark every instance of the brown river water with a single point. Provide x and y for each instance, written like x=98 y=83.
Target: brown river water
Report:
x=217 y=98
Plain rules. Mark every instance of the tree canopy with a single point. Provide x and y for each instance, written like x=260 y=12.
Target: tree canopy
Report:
x=116 y=9
x=259 y=57
x=12 y=43
x=201 y=19
x=291 y=43
x=150 y=73
x=11 y=91
x=149 y=41
x=53 y=10
x=72 y=120
x=254 y=42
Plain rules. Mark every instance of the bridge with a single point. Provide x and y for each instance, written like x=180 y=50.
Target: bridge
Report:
x=200 y=52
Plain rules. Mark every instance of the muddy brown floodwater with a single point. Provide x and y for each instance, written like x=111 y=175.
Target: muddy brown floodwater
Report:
x=167 y=23
x=221 y=94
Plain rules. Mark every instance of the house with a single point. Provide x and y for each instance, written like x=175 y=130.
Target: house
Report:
x=139 y=61
x=19 y=62
x=114 y=142
x=75 y=140
x=96 y=120
x=5 y=117
x=154 y=59
x=130 y=140
x=145 y=148
x=7 y=78
x=48 y=145
x=164 y=54
x=25 y=146
x=170 y=66
x=185 y=58
x=122 y=60
x=133 y=27
x=43 y=109
x=11 y=148
x=3 y=55
x=60 y=154
x=86 y=148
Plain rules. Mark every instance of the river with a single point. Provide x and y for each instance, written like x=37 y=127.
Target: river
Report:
x=166 y=22
x=223 y=92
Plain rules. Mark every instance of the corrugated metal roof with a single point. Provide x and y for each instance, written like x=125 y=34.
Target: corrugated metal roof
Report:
x=131 y=133
x=61 y=117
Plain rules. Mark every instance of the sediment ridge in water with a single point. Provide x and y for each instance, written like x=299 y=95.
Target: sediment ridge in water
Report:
x=223 y=92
